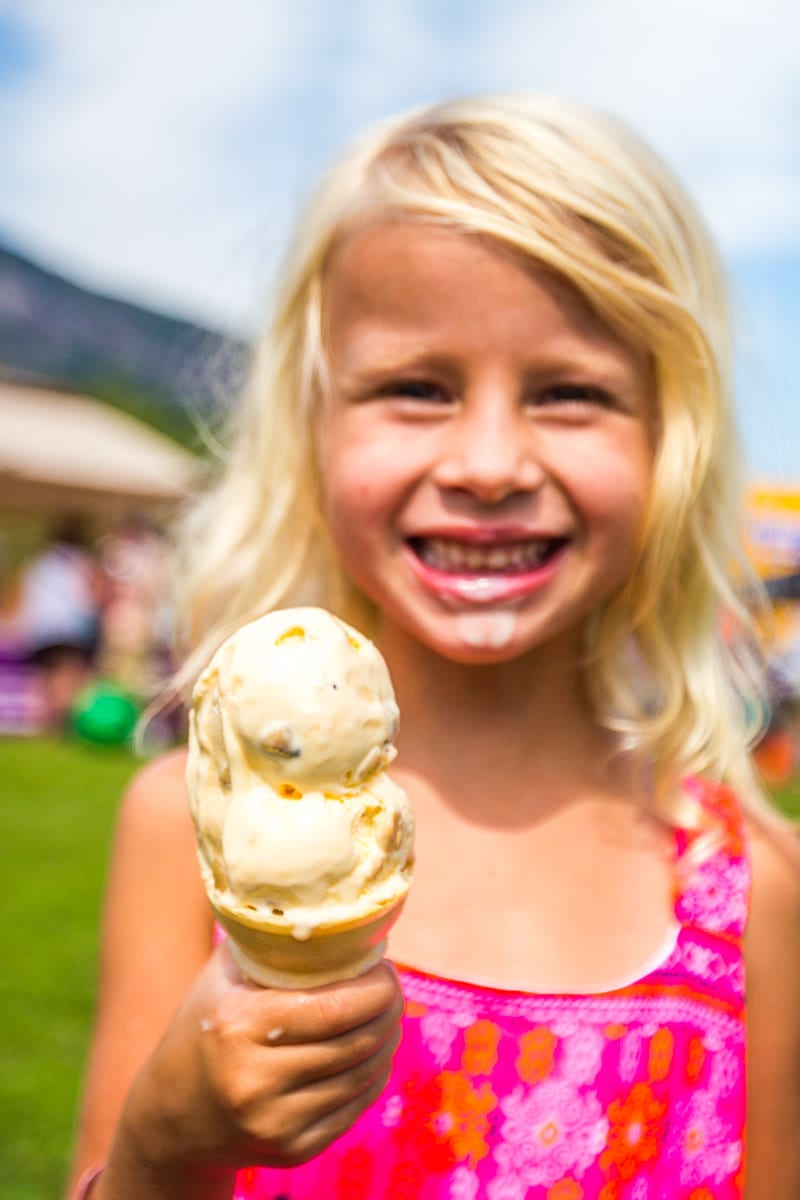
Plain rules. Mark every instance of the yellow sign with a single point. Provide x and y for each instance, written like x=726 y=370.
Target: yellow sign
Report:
x=773 y=530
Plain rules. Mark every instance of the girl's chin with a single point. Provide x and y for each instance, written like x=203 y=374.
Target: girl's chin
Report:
x=485 y=635
x=478 y=636
x=486 y=630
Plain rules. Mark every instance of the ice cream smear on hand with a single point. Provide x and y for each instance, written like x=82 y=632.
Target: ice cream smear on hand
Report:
x=305 y=842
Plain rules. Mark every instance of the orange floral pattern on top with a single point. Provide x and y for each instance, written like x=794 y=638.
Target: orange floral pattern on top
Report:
x=694 y=1059
x=565 y=1189
x=536 y=1054
x=632 y=1094
x=661 y=1048
x=635 y=1131
x=480 y=1048
x=466 y=1109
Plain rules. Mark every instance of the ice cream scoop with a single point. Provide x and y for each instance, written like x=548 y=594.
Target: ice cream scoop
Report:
x=305 y=842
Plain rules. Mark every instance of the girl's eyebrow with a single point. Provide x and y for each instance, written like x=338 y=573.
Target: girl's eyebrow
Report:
x=369 y=353
x=361 y=358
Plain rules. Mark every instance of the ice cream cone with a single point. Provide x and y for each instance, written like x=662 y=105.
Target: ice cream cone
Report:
x=304 y=840
x=274 y=956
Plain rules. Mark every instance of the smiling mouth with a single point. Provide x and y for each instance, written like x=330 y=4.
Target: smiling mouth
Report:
x=454 y=557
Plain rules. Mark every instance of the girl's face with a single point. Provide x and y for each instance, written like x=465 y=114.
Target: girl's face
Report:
x=486 y=446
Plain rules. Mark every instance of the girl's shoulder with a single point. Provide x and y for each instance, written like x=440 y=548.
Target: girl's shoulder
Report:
x=768 y=841
x=166 y=771
x=158 y=789
x=154 y=827
x=774 y=853
x=772 y=960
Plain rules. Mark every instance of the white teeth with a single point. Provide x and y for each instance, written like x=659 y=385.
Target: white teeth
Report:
x=447 y=555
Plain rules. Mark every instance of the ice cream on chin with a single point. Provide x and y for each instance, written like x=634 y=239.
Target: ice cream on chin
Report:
x=305 y=843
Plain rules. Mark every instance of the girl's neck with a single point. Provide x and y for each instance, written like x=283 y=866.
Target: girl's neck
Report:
x=526 y=723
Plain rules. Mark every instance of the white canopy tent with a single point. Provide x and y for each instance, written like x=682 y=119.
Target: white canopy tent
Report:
x=61 y=453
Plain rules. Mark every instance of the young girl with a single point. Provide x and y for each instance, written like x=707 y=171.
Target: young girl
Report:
x=490 y=426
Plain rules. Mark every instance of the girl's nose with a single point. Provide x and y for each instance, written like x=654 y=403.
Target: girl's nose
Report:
x=490 y=452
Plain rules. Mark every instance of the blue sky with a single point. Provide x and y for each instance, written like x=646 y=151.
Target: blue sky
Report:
x=156 y=149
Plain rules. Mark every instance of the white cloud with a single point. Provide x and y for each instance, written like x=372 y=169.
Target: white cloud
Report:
x=753 y=212
x=162 y=144
x=124 y=149
x=713 y=83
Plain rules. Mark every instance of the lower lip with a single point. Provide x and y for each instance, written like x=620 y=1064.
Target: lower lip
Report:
x=493 y=587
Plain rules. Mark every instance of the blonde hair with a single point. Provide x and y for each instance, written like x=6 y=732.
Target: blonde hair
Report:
x=578 y=195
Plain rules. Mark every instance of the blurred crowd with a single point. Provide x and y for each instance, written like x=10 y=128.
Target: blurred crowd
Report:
x=85 y=626
x=778 y=752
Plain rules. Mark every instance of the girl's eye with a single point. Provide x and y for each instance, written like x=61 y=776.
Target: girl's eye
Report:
x=573 y=394
x=414 y=389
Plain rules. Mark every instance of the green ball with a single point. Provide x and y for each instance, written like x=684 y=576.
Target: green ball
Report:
x=105 y=714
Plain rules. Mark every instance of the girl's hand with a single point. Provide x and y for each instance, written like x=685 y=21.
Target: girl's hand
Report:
x=249 y=1076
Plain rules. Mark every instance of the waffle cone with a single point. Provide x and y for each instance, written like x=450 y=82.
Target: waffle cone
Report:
x=270 y=955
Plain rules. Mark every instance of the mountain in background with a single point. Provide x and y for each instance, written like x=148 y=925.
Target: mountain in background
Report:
x=165 y=370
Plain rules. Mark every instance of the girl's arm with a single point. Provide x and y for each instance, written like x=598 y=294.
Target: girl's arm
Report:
x=773 y=989
x=157 y=934
x=194 y=1072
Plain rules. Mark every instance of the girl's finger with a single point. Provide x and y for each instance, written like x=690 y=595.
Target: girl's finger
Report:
x=305 y=1065
x=320 y=1014
x=341 y=1101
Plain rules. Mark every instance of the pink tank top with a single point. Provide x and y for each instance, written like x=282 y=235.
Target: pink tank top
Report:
x=632 y=1094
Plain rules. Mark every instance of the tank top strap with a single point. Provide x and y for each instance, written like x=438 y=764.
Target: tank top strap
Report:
x=722 y=805
x=713 y=869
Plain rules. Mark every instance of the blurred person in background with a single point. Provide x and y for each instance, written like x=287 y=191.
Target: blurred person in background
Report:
x=136 y=622
x=58 y=617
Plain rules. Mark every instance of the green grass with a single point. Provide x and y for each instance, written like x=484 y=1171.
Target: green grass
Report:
x=788 y=798
x=57 y=806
